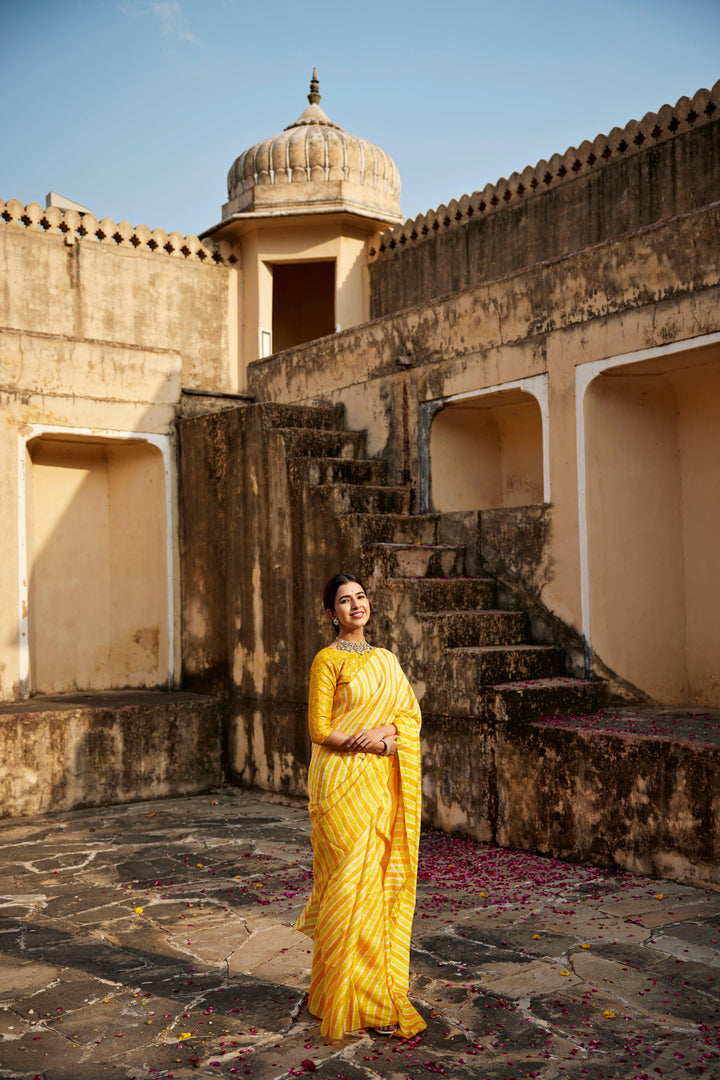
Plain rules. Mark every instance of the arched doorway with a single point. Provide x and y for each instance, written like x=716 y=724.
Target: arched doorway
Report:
x=98 y=580
x=652 y=498
x=486 y=451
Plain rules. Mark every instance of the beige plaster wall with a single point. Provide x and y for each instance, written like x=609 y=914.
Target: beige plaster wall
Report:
x=99 y=333
x=268 y=242
x=98 y=604
x=653 y=452
x=465 y=460
x=101 y=293
x=654 y=169
x=635 y=541
x=698 y=395
x=487 y=453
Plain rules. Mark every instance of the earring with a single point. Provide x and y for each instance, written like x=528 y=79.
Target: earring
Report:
x=335 y=622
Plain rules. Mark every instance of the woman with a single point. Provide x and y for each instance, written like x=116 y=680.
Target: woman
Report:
x=364 y=790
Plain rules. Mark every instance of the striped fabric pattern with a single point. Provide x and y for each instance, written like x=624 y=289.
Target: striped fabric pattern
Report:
x=365 y=814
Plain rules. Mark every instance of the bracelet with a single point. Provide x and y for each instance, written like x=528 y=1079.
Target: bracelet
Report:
x=385 y=751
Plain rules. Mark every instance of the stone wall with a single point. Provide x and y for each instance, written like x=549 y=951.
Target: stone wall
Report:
x=649 y=171
x=101 y=325
x=64 y=753
x=88 y=294
x=255 y=543
x=260 y=533
x=651 y=293
x=643 y=800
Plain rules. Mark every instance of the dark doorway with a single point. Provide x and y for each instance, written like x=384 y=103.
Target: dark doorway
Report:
x=303 y=302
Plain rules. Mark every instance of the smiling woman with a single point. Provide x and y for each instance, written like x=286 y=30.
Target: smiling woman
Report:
x=364 y=788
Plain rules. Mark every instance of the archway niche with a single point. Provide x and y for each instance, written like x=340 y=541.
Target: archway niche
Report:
x=487 y=452
x=652 y=443
x=98 y=575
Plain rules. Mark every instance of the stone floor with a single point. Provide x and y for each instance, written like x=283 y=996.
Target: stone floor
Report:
x=155 y=940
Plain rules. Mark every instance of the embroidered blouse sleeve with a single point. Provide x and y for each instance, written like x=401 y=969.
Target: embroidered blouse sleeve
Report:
x=323 y=681
x=407 y=707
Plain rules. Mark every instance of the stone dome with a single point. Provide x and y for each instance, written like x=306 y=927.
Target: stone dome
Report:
x=314 y=166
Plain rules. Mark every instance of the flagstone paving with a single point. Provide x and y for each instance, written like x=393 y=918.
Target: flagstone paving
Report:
x=155 y=940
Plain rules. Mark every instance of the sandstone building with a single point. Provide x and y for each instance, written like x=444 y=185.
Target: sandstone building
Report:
x=504 y=411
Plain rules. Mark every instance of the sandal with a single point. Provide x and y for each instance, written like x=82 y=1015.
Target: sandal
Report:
x=389 y=1030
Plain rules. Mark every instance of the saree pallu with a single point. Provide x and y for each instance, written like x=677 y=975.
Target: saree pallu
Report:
x=365 y=815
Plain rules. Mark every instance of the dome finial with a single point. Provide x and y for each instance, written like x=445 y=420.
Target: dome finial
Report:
x=314 y=95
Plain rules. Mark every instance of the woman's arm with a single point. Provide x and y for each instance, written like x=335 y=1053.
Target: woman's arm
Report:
x=323 y=683
x=369 y=740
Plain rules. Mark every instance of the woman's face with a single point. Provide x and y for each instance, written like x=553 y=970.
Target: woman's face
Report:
x=352 y=607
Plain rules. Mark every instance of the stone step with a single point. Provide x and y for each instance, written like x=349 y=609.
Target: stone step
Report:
x=313 y=417
x=317 y=471
x=492 y=664
x=304 y=442
x=534 y=699
x=443 y=594
x=416 y=560
x=140 y=744
x=458 y=628
x=393 y=528
x=353 y=498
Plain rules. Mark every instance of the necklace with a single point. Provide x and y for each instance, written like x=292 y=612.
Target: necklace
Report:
x=353 y=646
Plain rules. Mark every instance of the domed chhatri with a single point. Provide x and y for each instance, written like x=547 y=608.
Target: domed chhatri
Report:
x=311 y=167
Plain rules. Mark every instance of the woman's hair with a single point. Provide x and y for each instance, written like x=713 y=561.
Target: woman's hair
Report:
x=331 y=589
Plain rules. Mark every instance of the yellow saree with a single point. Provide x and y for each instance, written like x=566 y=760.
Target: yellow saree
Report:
x=365 y=815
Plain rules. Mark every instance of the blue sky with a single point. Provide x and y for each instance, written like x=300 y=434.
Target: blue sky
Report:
x=137 y=108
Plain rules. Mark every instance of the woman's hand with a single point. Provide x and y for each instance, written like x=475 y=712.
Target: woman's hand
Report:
x=368 y=741
x=391 y=741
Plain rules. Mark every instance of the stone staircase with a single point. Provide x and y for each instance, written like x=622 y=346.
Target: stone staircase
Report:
x=516 y=751
x=467 y=657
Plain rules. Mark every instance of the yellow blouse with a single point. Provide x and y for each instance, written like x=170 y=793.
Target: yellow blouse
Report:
x=331 y=668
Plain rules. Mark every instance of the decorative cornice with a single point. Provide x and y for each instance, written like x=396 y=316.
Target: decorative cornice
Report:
x=84 y=228
x=576 y=162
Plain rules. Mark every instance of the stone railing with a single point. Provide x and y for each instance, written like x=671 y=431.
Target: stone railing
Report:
x=77 y=227
x=578 y=161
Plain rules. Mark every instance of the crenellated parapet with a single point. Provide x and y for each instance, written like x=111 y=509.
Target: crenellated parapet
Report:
x=86 y=228
x=590 y=157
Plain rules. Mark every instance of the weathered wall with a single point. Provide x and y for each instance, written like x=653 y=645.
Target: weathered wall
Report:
x=100 y=327
x=115 y=314
x=639 y=292
x=255 y=542
x=253 y=621
x=647 y=172
x=64 y=753
x=647 y=804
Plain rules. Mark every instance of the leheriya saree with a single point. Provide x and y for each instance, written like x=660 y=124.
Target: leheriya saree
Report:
x=365 y=816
